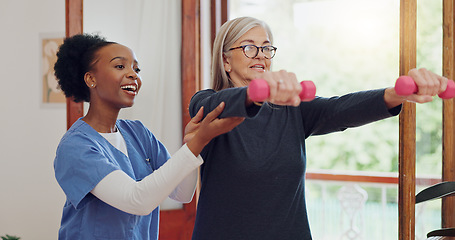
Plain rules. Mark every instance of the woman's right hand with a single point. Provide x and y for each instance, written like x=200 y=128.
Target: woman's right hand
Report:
x=199 y=132
x=284 y=88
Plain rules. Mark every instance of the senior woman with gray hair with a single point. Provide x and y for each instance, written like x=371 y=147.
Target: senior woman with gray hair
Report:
x=253 y=178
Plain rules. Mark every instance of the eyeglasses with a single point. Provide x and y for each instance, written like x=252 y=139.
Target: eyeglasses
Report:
x=251 y=51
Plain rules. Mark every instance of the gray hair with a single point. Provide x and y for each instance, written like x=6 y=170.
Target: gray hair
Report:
x=228 y=34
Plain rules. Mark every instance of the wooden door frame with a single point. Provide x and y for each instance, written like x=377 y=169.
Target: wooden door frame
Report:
x=407 y=125
x=448 y=117
x=74 y=25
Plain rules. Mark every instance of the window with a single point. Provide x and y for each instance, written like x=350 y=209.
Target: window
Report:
x=353 y=45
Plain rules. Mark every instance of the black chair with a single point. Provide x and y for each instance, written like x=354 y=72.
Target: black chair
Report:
x=436 y=191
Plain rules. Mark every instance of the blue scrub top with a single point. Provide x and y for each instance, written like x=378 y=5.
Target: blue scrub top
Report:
x=83 y=158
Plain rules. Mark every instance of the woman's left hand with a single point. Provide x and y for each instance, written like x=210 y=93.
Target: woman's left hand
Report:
x=429 y=85
x=212 y=125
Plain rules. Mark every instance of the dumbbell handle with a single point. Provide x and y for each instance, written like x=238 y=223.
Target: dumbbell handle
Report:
x=259 y=90
x=406 y=86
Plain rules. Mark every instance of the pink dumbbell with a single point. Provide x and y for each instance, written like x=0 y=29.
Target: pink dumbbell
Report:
x=406 y=86
x=259 y=90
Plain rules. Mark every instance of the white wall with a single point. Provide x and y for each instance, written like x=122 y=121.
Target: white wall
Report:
x=30 y=199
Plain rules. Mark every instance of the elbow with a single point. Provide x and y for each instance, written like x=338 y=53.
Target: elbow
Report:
x=140 y=207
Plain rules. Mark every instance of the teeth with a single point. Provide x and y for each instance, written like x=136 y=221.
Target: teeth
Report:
x=257 y=66
x=129 y=87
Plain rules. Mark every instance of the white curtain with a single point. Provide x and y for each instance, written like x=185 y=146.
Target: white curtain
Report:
x=152 y=29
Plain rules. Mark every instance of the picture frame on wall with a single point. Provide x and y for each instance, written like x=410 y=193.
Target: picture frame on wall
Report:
x=50 y=92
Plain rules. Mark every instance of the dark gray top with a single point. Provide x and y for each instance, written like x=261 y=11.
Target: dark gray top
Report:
x=253 y=178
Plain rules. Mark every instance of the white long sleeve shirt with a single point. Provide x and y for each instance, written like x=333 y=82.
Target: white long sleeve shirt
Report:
x=177 y=179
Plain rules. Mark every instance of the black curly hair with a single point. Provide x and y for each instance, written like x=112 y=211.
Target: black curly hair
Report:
x=75 y=57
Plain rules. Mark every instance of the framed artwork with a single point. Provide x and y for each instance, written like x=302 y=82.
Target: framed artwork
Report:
x=49 y=47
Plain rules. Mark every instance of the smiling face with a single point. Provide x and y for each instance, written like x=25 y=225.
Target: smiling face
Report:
x=114 y=79
x=242 y=69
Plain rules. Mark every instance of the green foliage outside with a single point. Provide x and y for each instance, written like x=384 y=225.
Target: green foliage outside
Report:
x=8 y=237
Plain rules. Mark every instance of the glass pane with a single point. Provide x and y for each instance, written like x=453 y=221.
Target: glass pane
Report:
x=429 y=116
